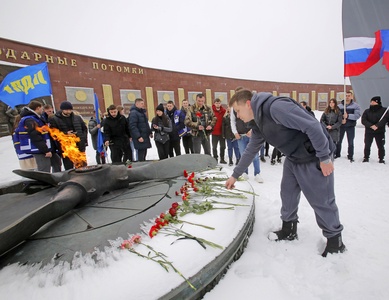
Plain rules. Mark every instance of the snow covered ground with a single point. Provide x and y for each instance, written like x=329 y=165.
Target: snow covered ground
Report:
x=266 y=270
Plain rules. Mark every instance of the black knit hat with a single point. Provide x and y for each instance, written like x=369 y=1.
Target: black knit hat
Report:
x=66 y=105
x=160 y=107
x=376 y=99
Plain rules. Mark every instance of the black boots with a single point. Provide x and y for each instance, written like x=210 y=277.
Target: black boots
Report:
x=334 y=245
x=288 y=232
x=222 y=161
x=230 y=163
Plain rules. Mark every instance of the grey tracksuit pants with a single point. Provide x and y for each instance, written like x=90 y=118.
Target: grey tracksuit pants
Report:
x=319 y=191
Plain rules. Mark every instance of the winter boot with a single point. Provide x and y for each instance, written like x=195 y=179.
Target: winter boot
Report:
x=334 y=245
x=366 y=159
x=287 y=233
x=230 y=163
x=273 y=162
x=237 y=161
x=222 y=161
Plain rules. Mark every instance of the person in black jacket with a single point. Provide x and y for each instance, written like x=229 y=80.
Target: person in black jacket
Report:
x=162 y=126
x=374 y=119
x=68 y=122
x=116 y=134
x=332 y=119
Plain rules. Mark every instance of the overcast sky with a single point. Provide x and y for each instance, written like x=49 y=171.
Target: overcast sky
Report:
x=279 y=40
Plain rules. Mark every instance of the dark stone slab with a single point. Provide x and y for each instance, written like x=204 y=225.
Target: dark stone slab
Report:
x=84 y=189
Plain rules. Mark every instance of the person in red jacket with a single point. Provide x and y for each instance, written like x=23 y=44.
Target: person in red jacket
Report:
x=217 y=137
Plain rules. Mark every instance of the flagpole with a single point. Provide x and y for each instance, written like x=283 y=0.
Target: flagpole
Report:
x=344 y=95
x=52 y=102
x=383 y=114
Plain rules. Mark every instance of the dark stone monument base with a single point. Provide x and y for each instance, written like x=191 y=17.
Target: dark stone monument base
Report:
x=114 y=214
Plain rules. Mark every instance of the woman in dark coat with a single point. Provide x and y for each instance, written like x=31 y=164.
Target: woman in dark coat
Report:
x=162 y=125
x=140 y=128
x=332 y=119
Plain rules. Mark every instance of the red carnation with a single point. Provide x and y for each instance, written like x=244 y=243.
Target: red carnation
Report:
x=153 y=231
x=172 y=211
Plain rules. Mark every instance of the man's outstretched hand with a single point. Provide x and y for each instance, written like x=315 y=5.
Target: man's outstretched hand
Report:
x=230 y=183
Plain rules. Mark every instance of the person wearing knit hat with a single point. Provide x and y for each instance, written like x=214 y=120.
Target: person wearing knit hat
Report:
x=69 y=123
x=377 y=99
x=160 y=107
x=375 y=119
x=66 y=105
x=162 y=126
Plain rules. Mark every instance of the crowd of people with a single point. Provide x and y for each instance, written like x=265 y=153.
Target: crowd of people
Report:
x=200 y=128
x=247 y=126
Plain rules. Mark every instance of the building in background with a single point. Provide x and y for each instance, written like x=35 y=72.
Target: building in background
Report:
x=77 y=78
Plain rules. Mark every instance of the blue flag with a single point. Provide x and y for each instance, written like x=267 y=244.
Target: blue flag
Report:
x=100 y=139
x=25 y=84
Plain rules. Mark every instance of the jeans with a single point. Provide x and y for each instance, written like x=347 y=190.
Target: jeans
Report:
x=134 y=151
x=350 y=139
x=232 y=146
x=242 y=143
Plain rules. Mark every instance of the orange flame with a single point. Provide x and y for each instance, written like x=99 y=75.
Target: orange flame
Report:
x=68 y=145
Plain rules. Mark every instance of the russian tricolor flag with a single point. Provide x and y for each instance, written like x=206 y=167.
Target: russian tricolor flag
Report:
x=361 y=53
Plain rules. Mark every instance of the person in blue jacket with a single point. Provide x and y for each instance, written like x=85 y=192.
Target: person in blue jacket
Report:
x=140 y=128
x=308 y=166
x=26 y=161
x=37 y=142
x=350 y=117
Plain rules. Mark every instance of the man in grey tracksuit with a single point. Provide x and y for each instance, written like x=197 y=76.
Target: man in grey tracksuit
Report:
x=308 y=166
